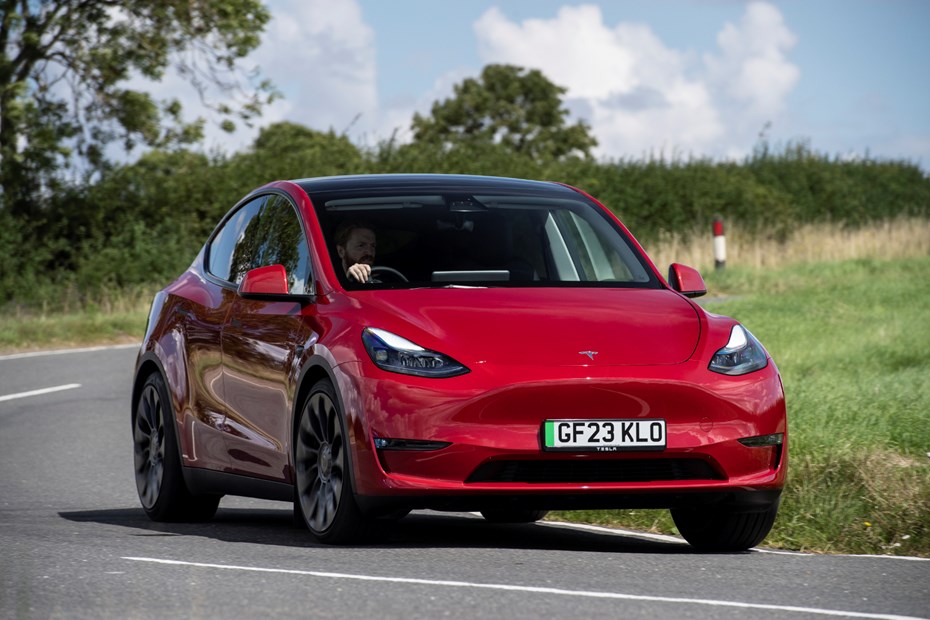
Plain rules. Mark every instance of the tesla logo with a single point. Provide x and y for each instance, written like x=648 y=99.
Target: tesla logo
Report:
x=590 y=354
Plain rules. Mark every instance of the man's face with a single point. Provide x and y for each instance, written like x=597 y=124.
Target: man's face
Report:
x=360 y=248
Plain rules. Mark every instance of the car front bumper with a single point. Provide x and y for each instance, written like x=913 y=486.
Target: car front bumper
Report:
x=492 y=428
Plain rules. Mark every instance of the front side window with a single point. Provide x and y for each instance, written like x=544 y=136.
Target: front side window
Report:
x=220 y=254
x=589 y=252
x=481 y=240
x=264 y=232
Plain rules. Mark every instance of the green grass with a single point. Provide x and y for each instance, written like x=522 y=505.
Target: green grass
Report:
x=852 y=342
x=118 y=319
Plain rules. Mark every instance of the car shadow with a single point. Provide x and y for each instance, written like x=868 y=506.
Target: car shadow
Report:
x=424 y=529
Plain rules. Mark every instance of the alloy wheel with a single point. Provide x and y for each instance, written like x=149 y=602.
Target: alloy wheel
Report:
x=149 y=446
x=321 y=462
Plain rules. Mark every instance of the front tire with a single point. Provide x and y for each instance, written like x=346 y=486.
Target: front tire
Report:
x=715 y=529
x=159 y=477
x=325 y=502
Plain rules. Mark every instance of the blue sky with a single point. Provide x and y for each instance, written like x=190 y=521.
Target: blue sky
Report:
x=676 y=77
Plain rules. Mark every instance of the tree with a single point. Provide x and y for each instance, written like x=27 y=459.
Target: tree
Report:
x=64 y=67
x=512 y=106
x=287 y=150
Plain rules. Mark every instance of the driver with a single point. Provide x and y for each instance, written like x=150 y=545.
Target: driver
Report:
x=355 y=243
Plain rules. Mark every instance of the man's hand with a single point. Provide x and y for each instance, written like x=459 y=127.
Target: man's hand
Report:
x=360 y=272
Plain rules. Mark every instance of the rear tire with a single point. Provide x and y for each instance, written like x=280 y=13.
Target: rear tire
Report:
x=324 y=501
x=506 y=515
x=715 y=529
x=158 y=469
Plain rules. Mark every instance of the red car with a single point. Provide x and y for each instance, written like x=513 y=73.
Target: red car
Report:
x=367 y=345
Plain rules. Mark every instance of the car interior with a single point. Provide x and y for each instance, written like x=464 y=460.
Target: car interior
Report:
x=488 y=241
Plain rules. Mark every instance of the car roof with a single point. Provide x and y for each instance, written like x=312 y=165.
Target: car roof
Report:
x=428 y=182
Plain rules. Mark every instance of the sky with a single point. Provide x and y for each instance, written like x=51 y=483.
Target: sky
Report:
x=672 y=78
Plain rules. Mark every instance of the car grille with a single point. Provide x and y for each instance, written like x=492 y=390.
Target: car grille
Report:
x=602 y=470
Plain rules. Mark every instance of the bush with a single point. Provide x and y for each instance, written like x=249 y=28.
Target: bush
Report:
x=141 y=223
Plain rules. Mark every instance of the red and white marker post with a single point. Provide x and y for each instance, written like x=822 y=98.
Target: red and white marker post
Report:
x=720 y=245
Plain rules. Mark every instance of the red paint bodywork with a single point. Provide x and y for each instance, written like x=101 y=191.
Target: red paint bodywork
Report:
x=235 y=368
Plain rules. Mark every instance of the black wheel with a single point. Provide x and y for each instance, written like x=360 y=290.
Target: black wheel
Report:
x=324 y=500
x=709 y=529
x=513 y=516
x=381 y=270
x=159 y=479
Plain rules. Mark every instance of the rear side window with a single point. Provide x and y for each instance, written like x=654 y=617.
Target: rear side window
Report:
x=263 y=232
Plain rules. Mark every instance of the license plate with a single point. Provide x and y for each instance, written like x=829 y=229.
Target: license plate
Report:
x=603 y=435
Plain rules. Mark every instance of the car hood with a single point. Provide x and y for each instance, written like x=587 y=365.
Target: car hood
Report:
x=543 y=326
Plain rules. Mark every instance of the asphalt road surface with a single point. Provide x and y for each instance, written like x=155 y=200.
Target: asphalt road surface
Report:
x=75 y=543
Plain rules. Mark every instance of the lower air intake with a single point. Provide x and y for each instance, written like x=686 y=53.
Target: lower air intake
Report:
x=613 y=470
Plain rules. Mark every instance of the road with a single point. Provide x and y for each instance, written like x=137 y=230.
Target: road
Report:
x=75 y=543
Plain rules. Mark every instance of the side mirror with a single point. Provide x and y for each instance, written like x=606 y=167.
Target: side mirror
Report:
x=264 y=283
x=686 y=280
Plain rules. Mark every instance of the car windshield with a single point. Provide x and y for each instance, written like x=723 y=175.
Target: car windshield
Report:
x=440 y=240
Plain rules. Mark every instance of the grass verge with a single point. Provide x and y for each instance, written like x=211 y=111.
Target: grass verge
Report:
x=113 y=318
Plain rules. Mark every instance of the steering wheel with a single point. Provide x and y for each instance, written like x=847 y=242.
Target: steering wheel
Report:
x=388 y=270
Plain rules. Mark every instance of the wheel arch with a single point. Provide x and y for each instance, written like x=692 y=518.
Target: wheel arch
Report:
x=315 y=369
x=149 y=364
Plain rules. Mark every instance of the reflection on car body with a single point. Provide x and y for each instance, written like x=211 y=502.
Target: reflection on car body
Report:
x=515 y=351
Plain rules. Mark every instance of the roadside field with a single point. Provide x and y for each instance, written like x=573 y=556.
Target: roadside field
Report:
x=901 y=237
x=90 y=324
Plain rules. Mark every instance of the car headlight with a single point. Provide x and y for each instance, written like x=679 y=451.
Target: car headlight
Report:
x=742 y=354
x=391 y=352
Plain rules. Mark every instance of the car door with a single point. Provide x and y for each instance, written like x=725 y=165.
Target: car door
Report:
x=260 y=346
x=202 y=314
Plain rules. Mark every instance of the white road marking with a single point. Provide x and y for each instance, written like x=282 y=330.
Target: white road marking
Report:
x=534 y=589
x=18 y=356
x=675 y=539
x=615 y=530
x=57 y=388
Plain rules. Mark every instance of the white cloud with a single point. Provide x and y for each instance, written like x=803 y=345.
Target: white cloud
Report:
x=320 y=54
x=751 y=70
x=569 y=49
x=641 y=96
